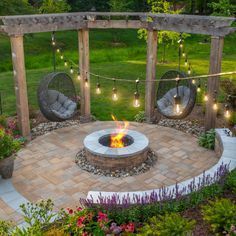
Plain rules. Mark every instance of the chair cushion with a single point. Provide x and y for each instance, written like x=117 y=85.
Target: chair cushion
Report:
x=52 y=96
x=56 y=106
x=62 y=98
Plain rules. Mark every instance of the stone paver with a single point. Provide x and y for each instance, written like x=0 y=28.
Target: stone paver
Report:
x=46 y=167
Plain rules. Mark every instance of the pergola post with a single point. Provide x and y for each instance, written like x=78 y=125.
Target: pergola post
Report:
x=18 y=61
x=84 y=74
x=151 y=75
x=213 y=82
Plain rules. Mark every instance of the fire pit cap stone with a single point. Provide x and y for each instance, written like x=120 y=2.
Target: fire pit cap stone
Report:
x=91 y=143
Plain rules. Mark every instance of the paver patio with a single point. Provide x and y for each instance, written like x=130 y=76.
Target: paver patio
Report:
x=46 y=167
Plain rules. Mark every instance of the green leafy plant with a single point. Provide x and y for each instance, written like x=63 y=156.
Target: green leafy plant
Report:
x=207 y=139
x=220 y=214
x=231 y=181
x=222 y=8
x=8 y=145
x=38 y=216
x=168 y=224
x=140 y=117
x=3 y=121
x=5 y=228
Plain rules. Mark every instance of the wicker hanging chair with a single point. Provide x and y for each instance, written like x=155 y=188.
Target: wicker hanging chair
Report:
x=57 y=97
x=168 y=93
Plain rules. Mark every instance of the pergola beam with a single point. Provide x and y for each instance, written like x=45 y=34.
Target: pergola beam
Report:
x=208 y=25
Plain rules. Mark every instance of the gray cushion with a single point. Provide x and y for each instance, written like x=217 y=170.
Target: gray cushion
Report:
x=67 y=103
x=62 y=98
x=56 y=106
x=52 y=96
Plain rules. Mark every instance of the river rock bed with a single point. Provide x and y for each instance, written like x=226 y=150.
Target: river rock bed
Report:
x=83 y=163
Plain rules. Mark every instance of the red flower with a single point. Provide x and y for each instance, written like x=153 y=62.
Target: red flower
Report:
x=102 y=217
x=79 y=209
x=70 y=211
x=130 y=228
x=84 y=234
x=80 y=221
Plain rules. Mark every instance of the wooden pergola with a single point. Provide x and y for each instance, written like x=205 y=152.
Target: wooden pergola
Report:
x=17 y=26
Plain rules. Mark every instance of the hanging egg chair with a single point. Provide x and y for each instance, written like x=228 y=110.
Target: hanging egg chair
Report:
x=57 y=97
x=175 y=98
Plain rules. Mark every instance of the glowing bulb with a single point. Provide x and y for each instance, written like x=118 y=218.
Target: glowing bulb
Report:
x=177 y=101
x=205 y=97
x=78 y=77
x=215 y=107
x=86 y=84
x=53 y=43
x=65 y=63
x=71 y=70
x=136 y=99
x=98 y=89
x=58 y=50
x=183 y=54
x=62 y=57
x=189 y=71
x=114 y=94
x=227 y=114
x=193 y=81
x=181 y=45
x=186 y=62
x=198 y=88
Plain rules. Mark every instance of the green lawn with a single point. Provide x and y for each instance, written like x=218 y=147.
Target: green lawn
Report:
x=117 y=54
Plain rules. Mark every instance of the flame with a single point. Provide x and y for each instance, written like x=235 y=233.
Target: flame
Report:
x=117 y=137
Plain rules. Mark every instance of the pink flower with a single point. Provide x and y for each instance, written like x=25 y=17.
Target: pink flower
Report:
x=70 y=211
x=80 y=222
x=79 y=209
x=102 y=217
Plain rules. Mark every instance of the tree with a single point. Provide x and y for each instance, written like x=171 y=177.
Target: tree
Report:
x=54 y=6
x=165 y=38
x=120 y=5
x=223 y=8
x=15 y=7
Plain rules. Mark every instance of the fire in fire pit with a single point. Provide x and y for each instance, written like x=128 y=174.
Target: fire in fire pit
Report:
x=116 y=149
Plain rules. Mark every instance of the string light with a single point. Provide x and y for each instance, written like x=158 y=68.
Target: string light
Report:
x=62 y=57
x=215 y=106
x=177 y=98
x=71 y=70
x=114 y=92
x=189 y=70
x=205 y=95
x=193 y=81
x=58 y=50
x=183 y=54
x=86 y=84
x=199 y=87
x=136 y=95
x=186 y=62
x=227 y=112
x=53 y=39
x=65 y=63
x=98 y=87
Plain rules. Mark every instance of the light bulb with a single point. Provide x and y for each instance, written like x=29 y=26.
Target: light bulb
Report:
x=78 y=77
x=186 y=62
x=114 y=94
x=53 y=43
x=177 y=108
x=65 y=63
x=98 y=89
x=189 y=71
x=177 y=101
x=136 y=99
x=227 y=114
x=193 y=81
x=71 y=70
x=58 y=50
x=183 y=54
x=181 y=45
x=86 y=84
x=215 y=107
x=199 y=88
x=205 y=97
x=62 y=57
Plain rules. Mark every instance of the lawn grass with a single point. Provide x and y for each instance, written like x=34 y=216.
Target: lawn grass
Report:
x=113 y=53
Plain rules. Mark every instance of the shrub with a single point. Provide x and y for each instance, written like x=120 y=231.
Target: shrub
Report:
x=231 y=181
x=168 y=224
x=207 y=139
x=140 y=117
x=3 y=121
x=8 y=145
x=5 y=228
x=220 y=214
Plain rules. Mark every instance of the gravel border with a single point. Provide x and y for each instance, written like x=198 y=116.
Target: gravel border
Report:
x=83 y=163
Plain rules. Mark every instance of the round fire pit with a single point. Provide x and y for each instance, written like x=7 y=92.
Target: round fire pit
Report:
x=100 y=154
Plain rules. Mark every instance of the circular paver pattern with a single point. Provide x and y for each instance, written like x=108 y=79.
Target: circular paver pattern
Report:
x=46 y=167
